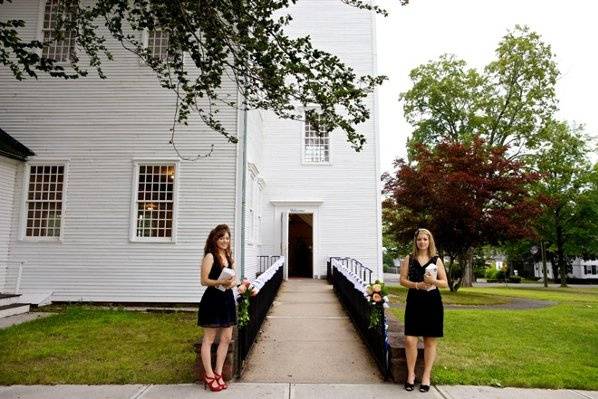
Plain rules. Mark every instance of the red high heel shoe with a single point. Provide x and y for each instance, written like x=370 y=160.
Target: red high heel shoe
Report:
x=212 y=383
x=219 y=377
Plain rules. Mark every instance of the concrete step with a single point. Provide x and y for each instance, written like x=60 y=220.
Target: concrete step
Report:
x=8 y=299
x=13 y=309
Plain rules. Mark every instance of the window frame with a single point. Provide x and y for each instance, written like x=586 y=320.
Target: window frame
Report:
x=133 y=238
x=65 y=163
x=40 y=34
x=260 y=196
x=145 y=43
x=302 y=135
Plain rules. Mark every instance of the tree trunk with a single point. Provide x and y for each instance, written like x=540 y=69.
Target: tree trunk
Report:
x=456 y=284
x=468 y=268
x=449 y=277
x=560 y=242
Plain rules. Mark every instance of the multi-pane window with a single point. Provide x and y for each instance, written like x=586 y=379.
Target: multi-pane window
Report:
x=59 y=49
x=155 y=201
x=157 y=43
x=316 y=145
x=251 y=203
x=259 y=214
x=44 y=201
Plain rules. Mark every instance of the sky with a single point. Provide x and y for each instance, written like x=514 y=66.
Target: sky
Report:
x=471 y=29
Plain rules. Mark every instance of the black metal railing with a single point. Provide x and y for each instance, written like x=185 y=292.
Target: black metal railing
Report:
x=258 y=309
x=264 y=262
x=359 y=308
x=353 y=265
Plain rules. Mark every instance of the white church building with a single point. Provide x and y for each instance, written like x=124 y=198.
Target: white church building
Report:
x=95 y=204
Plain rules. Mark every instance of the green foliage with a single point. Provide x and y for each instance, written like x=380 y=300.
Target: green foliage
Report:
x=210 y=45
x=569 y=189
x=508 y=103
x=490 y=273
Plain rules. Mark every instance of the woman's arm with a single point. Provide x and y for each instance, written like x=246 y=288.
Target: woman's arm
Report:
x=405 y=282
x=206 y=267
x=233 y=265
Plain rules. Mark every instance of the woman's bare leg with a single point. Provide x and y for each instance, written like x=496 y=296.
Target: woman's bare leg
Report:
x=411 y=354
x=226 y=334
x=209 y=334
x=430 y=344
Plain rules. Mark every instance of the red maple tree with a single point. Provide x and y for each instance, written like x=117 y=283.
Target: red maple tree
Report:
x=467 y=194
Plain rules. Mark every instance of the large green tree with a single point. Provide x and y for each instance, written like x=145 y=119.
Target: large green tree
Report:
x=209 y=42
x=507 y=103
x=569 y=185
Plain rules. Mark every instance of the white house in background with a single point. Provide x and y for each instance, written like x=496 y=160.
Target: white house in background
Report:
x=580 y=268
x=106 y=211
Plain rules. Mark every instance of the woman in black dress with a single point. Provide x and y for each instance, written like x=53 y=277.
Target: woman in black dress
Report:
x=424 y=312
x=217 y=309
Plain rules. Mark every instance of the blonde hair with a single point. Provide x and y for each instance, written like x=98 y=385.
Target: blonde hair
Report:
x=431 y=246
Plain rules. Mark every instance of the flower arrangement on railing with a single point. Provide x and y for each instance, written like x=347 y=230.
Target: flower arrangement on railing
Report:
x=377 y=296
x=246 y=291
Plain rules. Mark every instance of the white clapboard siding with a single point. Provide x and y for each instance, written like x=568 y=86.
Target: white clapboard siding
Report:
x=101 y=127
x=8 y=171
x=349 y=215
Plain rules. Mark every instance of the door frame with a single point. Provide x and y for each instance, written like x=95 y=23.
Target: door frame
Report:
x=281 y=208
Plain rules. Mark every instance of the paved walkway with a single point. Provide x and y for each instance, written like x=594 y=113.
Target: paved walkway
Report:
x=308 y=338
x=281 y=391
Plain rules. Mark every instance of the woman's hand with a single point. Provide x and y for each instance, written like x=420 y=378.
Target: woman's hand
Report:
x=423 y=286
x=429 y=279
x=227 y=282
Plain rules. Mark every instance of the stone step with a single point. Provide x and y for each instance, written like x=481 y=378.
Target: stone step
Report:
x=8 y=299
x=13 y=309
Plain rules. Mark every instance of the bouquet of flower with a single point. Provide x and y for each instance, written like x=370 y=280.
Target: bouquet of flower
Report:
x=377 y=296
x=246 y=290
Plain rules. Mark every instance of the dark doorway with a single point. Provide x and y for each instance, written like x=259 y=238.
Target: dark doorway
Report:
x=301 y=245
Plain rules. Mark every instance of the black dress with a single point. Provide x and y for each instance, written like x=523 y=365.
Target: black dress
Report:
x=217 y=308
x=424 y=312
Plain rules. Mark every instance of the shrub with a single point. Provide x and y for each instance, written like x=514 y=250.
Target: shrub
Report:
x=491 y=273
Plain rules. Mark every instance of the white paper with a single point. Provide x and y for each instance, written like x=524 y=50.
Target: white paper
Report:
x=433 y=271
x=225 y=273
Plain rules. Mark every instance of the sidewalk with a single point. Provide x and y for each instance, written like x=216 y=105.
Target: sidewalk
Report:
x=281 y=391
x=308 y=338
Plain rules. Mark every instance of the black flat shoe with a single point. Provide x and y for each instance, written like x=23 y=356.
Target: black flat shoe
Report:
x=424 y=388
x=409 y=387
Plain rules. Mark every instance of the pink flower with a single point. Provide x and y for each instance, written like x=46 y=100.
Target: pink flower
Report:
x=246 y=282
x=376 y=297
x=242 y=289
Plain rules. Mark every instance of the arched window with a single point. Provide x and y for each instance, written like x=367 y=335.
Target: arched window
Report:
x=58 y=50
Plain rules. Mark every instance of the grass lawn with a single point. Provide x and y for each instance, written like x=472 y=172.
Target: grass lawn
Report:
x=463 y=297
x=553 y=347
x=83 y=345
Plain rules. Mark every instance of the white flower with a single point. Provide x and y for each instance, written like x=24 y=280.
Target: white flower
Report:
x=385 y=305
x=385 y=298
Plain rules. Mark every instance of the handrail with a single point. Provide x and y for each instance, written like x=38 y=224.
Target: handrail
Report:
x=355 y=266
x=268 y=284
x=350 y=285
